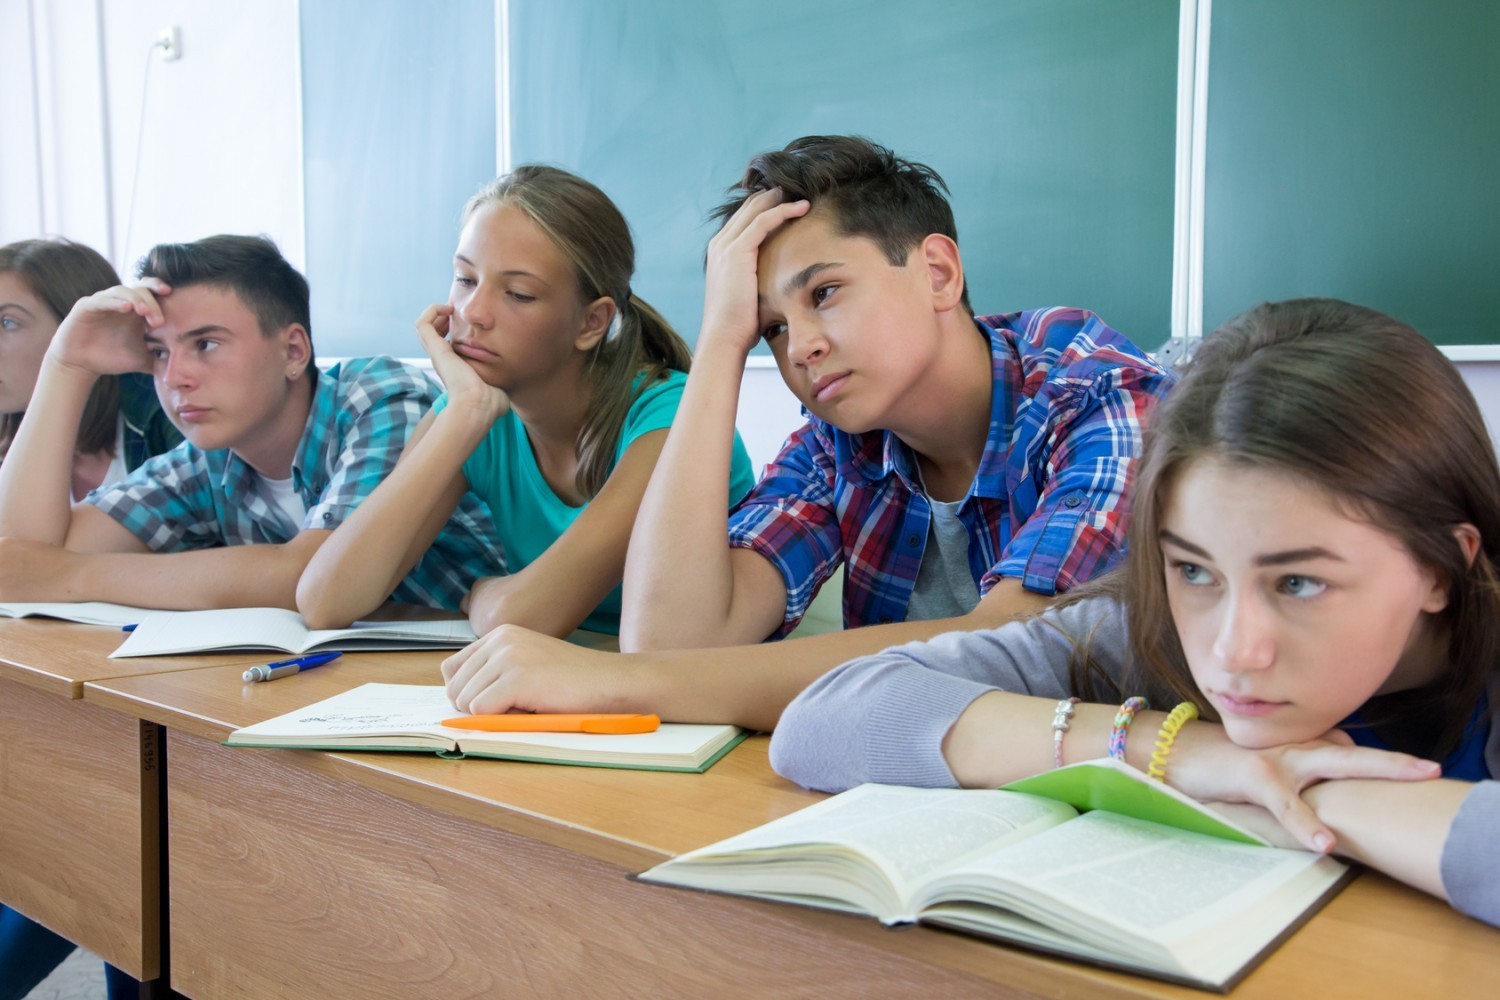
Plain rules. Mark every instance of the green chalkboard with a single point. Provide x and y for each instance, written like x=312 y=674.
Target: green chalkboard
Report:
x=1053 y=122
x=1353 y=150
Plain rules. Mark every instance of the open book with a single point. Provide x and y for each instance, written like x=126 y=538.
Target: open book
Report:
x=409 y=717
x=1106 y=887
x=165 y=633
x=86 y=612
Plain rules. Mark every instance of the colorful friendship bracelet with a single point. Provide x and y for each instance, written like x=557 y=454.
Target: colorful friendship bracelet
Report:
x=1123 y=718
x=1062 y=721
x=1167 y=736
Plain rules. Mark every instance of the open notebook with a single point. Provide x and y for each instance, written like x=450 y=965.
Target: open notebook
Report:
x=166 y=633
x=409 y=717
x=1153 y=882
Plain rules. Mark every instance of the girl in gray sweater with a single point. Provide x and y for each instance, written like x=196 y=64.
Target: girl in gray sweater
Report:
x=1312 y=572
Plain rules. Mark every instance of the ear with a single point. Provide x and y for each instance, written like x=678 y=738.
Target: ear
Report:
x=297 y=347
x=597 y=317
x=1468 y=539
x=945 y=271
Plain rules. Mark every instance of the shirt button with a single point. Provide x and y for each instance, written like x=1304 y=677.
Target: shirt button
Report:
x=1072 y=501
x=912 y=540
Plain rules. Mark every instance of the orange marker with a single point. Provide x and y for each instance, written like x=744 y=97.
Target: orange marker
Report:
x=521 y=722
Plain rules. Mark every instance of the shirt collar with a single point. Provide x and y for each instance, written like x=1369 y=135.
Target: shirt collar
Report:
x=874 y=455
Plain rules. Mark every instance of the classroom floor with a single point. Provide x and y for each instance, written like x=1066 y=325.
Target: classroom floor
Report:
x=80 y=977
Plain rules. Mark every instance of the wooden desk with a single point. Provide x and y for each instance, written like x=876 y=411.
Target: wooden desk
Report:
x=297 y=873
x=80 y=793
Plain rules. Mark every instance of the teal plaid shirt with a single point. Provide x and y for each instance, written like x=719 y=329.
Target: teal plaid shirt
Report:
x=363 y=411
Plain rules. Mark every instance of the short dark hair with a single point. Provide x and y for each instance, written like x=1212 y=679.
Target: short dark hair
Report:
x=867 y=189
x=251 y=266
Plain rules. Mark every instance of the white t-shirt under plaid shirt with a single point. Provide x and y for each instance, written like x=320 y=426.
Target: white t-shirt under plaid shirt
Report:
x=363 y=411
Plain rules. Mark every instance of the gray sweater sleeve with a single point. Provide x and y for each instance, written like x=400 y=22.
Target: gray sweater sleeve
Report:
x=1469 y=854
x=883 y=718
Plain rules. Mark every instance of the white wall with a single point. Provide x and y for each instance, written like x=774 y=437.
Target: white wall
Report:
x=219 y=133
x=221 y=127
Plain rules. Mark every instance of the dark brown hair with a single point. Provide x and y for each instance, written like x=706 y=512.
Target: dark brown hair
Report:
x=60 y=272
x=868 y=191
x=1361 y=406
x=642 y=346
x=250 y=266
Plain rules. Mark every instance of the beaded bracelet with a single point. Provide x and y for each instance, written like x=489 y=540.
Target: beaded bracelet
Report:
x=1167 y=736
x=1123 y=718
x=1062 y=721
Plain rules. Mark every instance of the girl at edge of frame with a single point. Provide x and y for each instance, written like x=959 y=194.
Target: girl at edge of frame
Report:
x=560 y=386
x=122 y=426
x=1312 y=567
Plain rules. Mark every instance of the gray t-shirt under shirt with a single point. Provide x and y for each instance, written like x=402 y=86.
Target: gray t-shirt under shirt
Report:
x=945 y=588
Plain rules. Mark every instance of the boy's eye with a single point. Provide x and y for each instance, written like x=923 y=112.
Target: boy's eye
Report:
x=9 y=323
x=1301 y=586
x=772 y=330
x=821 y=293
x=462 y=281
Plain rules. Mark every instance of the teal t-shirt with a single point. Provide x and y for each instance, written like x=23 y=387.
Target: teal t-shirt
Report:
x=529 y=517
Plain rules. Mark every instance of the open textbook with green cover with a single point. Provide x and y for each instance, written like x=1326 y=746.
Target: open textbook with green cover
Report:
x=165 y=633
x=85 y=612
x=409 y=717
x=1156 y=884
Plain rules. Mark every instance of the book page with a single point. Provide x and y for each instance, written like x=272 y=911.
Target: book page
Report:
x=1139 y=877
x=908 y=832
x=83 y=612
x=445 y=630
x=368 y=710
x=165 y=633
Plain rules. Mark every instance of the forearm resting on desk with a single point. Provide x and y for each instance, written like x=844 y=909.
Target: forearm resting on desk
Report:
x=235 y=576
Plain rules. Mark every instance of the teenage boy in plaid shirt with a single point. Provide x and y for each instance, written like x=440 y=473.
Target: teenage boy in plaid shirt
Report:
x=965 y=471
x=276 y=454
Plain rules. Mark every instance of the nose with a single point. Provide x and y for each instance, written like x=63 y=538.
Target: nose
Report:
x=177 y=370
x=805 y=342
x=1246 y=639
x=474 y=309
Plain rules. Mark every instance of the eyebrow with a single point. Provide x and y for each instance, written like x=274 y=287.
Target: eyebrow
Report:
x=506 y=274
x=197 y=331
x=18 y=308
x=800 y=280
x=1265 y=559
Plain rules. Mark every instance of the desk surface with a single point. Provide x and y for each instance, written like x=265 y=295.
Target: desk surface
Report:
x=1377 y=938
x=60 y=657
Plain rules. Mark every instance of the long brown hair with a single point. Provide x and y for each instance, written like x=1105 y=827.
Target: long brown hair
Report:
x=590 y=231
x=60 y=272
x=1360 y=405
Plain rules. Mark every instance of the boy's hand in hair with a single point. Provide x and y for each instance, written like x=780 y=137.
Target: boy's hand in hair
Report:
x=466 y=390
x=105 y=333
x=731 y=310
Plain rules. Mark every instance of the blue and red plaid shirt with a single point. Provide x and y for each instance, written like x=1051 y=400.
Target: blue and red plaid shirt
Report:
x=1047 y=506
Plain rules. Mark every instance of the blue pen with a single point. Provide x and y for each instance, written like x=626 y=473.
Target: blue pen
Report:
x=283 y=668
x=128 y=628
